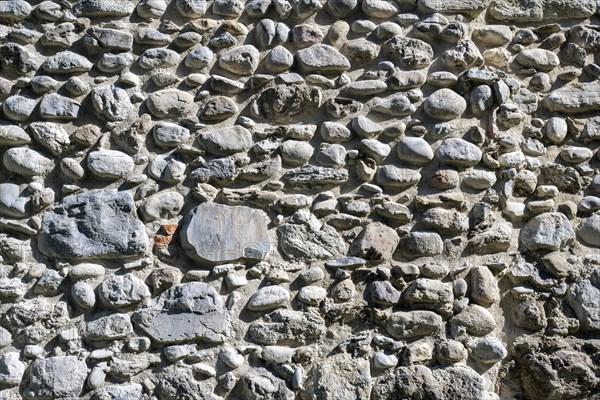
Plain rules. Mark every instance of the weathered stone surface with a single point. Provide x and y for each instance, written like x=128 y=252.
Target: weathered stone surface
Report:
x=574 y=99
x=51 y=136
x=18 y=108
x=262 y=385
x=342 y=376
x=103 y=8
x=27 y=162
x=110 y=327
x=408 y=52
x=111 y=103
x=185 y=313
x=97 y=224
x=310 y=175
x=11 y=369
x=421 y=244
x=484 y=288
x=322 y=58
x=413 y=324
x=445 y=104
x=268 y=298
x=13 y=135
x=376 y=242
x=16 y=59
x=110 y=164
x=540 y=59
x=281 y=103
x=469 y=7
x=242 y=60
x=66 y=62
x=390 y=176
x=56 y=377
x=169 y=103
x=213 y=234
x=589 y=230
x=435 y=240
x=305 y=237
x=474 y=320
x=458 y=153
x=119 y=291
x=550 y=231
x=227 y=141
x=552 y=381
x=287 y=327
x=420 y=382
x=121 y=392
x=449 y=222
x=429 y=294
x=581 y=298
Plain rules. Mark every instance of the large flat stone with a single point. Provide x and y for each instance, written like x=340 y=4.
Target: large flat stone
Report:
x=216 y=234
x=188 y=312
x=99 y=224
x=574 y=99
x=470 y=7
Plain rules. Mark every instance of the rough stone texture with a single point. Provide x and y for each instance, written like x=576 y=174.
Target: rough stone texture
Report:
x=55 y=377
x=299 y=199
x=97 y=224
x=341 y=377
x=185 y=313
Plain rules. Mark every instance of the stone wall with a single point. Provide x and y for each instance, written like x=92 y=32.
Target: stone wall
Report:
x=299 y=199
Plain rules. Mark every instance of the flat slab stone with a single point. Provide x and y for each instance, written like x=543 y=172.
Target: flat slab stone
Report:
x=574 y=99
x=188 y=312
x=322 y=58
x=103 y=8
x=99 y=224
x=226 y=141
x=470 y=7
x=216 y=234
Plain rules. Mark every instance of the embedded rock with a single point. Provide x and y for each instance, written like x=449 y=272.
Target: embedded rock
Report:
x=103 y=8
x=169 y=103
x=322 y=58
x=445 y=105
x=55 y=377
x=548 y=231
x=66 y=62
x=119 y=291
x=27 y=162
x=581 y=298
x=469 y=7
x=281 y=103
x=407 y=52
x=458 y=153
x=109 y=327
x=342 y=376
x=226 y=141
x=574 y=99
x=110 y=164
x=287 y=327
x=111 y=103
x=215 y=234
x=376 y=242
x=413 y=324
x=97 y=224
x=16 y=59
x=188 y=312
x=305 y=237
x=268 y=298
